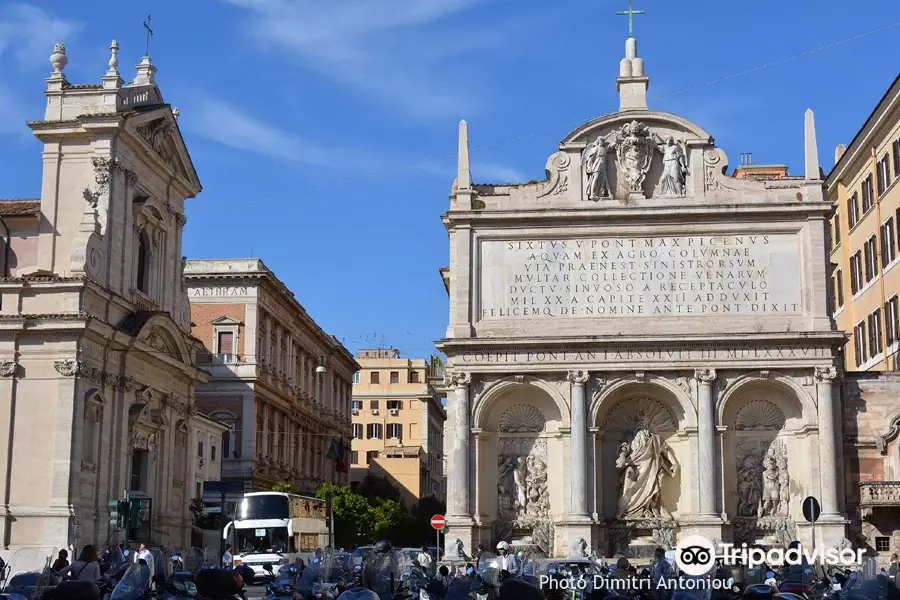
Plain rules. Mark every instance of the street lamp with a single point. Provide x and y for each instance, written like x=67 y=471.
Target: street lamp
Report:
x=320 y=366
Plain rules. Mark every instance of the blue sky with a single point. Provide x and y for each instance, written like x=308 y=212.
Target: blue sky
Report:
x=324 y=131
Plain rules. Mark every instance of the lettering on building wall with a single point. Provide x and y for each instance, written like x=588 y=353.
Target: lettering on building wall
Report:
x=218 y=291
x=647 y=355
x=711 y=275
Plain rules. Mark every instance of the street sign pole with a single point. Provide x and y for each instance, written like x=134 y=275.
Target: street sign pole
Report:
x=811 y=512
x=222 y=527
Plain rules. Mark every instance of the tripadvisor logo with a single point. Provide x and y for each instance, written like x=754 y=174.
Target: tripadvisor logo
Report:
x=695 y=555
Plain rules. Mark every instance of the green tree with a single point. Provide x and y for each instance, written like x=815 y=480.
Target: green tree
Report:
x=283 y=486
x=351 y=515
x=384 y=516
x=375 y=487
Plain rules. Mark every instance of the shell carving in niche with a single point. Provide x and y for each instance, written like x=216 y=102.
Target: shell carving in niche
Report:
x=631 y=414
x=759 y=415
x=522 y=418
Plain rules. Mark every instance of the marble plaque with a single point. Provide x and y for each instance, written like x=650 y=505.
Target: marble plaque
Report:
x=728 y=276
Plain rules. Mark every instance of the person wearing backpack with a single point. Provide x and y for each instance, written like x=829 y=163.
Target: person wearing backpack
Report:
x=86 y=568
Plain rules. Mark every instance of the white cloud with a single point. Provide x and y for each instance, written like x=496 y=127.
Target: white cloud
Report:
x=29 y=33
x=227 y=124
x=394 y=51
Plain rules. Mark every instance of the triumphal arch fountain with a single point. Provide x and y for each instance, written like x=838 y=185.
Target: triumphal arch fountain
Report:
x=639 y=347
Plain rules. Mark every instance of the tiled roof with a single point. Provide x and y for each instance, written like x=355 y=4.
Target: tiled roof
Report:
x=19 y=207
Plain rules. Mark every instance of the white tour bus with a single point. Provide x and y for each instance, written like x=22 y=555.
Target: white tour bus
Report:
x=276 y=528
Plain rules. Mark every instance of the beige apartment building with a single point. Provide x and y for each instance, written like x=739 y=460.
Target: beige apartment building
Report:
x=864 y=238
x=280 y=383
x=398 y=423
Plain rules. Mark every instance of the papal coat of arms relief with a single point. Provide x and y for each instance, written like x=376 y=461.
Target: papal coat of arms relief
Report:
x=635 y=146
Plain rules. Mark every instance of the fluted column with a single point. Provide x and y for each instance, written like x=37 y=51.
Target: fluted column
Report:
x=827 y=440
x=578 y=444
x=458 y=480
x=706 y=435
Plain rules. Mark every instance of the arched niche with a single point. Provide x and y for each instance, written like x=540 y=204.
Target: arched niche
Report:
x=618 y=414
x=660 y=389
x=768 y=453
x=519 y=425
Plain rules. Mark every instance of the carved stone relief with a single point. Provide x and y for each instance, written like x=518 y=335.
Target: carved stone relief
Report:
x=522 y=418
x=632 y=414
x=523 y=499
x=557 y=175
x=711 y=167
x=634 y=151
x=8 y=368
x=759 y=415
x=763 y=488
x=67 y=367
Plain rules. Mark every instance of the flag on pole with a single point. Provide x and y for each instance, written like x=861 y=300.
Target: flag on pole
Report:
x=336 y=453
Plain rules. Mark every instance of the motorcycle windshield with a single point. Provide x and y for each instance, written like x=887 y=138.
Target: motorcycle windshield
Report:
x=133 y=585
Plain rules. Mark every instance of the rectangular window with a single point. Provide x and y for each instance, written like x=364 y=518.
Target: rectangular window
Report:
x=226 y=342
x=395 y=377
x=871 y=249
x=414 y=377
x=859 y=342
x=856 y=272
x=892 y=320
x=882 y=544
x=356 y=377
x=394 y=404
x=357 y=431
x=884 y=174
x=853 y=210
x=200 y=449
x=373 y=377
x=888 y=247
x=356 y=404
x=896 y=151
x=212 y=453
x=373 y=404
x=374 y=431
x=875 y=346
x=837 y=229
x=395 y=431
x=354 y=457
x=839 y=288
x=868 y=197
x=370 y=456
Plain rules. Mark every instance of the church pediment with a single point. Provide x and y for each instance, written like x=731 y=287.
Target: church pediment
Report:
x=158 y=130
x=160 y=333
x=663 y=123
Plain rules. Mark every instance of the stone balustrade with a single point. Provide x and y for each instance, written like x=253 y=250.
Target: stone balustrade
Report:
x=879 y=493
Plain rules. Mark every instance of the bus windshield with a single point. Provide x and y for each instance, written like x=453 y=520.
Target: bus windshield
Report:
x=267 y=506
x=263 y=540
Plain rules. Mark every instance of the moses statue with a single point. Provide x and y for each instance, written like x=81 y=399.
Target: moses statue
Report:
x=642 y=464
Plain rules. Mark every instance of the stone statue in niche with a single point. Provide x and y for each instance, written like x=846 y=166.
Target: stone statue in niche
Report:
x=519 y=475
x=749 y=493
x=642 y=464
x=634 y=150
x=674 y=166
x=775 y=483
x=595 y=164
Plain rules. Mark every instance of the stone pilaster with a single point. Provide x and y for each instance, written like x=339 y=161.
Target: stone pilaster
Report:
x=578 y=446
x=706 y=435
x=827 y=437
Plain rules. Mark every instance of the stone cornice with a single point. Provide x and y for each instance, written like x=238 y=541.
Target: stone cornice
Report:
x=640 y=215
x=811 y=338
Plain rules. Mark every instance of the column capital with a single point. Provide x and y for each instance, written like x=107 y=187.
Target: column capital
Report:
x=457 y=378
x=825 y=374
x=705 y=375
x=578 y=377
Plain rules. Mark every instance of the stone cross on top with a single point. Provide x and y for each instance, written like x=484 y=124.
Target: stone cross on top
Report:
x=631 y=12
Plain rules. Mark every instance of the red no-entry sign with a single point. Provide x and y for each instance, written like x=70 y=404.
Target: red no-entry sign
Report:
x=438 y=522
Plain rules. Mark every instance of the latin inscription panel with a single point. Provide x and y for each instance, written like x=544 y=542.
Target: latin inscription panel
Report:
x=682 y=276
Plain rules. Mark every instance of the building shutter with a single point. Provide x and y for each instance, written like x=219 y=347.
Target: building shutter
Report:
x=226 y=342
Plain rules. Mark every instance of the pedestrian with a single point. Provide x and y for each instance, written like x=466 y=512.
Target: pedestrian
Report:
x=660 y=574
x=227 y=558
x=62 y=561
x=143 y=554
x=507 y=561
x=86 y=568
x=424 y=559
x=478 y=554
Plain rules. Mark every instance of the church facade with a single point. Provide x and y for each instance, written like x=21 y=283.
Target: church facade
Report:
x=97 y=362
x=640 y=347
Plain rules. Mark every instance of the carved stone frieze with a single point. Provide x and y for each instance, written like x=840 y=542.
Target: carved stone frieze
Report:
x=67 y=367
x=8 y=368
x=88 y=467
x=711 y=165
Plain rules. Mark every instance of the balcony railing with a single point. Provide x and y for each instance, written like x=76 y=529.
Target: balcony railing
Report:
x=879 y=493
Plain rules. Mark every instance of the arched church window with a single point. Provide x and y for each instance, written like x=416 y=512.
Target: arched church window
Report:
x=143 y=262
